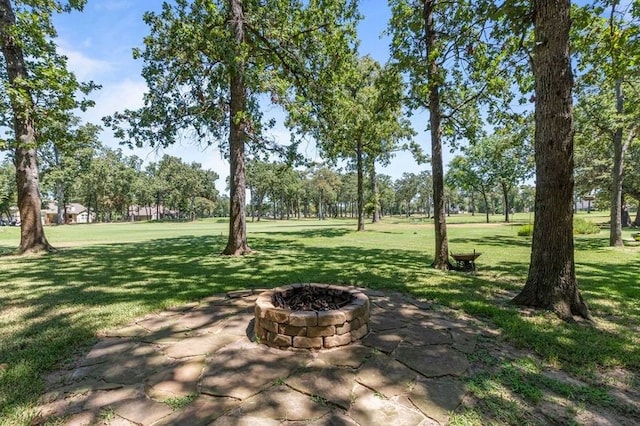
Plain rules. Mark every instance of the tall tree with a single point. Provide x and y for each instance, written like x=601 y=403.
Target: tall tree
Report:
x=38 y=87
x=551 y=282
x=208 y=61
x=452 y=66
x=607 y=38
x=65 y=155
x=472 y=173
x=363 y=123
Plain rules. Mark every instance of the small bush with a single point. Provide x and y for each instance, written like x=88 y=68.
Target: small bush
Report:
x=582 y=226
x=525 y=230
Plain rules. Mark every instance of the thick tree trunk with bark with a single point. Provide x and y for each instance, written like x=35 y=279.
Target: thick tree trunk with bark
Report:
x=32 y=238
x=551 y=283
x=237 y=242
x=360 y=173
x=441 y=255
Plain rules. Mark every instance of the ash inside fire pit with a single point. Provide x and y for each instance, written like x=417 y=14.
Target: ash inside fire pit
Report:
x=310 y=298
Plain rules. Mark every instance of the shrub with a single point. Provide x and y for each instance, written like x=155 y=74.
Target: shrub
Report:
x=582 y=226
x=525 y=230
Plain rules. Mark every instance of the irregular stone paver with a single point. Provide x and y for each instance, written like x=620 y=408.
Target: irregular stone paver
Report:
x=330 y=383
x=407 y=371
x=387 y=376
x=464 y=341
x=243 y=373
x=129 y=367
x=199 y=345
x=238 y=325
x=334 y=418
x=282 y=403
x=104 y=349
x=345 y=356
x=99 y=400
x=418 y=335
x=166 y=336
x=437 y=397
x=200 y=412
x=382 y=323
x=386 y=341
x=178 y=381
x=432 y=361
x=372 y=409
x=245 y=421
x=142 y=410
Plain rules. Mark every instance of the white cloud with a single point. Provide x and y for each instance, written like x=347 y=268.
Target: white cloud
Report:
x=84 y=67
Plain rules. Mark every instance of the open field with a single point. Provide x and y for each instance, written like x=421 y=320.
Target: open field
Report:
x=105 y=275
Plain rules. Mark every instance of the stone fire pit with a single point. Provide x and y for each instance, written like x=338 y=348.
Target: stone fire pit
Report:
x=335 y=316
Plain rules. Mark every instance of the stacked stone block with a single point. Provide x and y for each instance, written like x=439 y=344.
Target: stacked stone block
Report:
x=284 y=328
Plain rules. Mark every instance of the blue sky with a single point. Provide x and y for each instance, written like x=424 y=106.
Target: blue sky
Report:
x=99 y=41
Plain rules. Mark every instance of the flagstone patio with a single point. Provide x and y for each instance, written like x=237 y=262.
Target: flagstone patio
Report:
x=200 y=365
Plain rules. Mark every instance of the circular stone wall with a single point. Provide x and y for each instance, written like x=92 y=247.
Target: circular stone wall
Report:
x=284 y=328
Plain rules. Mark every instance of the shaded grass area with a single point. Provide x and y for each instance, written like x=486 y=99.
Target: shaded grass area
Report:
x=106 y=275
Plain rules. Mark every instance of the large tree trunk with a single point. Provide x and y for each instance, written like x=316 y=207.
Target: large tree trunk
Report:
x=32 y=236
x=360 y=173
x=237 y=242
x=441 y=255
x=551 y=283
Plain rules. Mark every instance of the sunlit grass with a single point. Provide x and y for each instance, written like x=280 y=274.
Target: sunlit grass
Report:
x=105 y=275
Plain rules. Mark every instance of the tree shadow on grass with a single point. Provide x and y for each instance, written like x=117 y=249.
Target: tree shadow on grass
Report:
x=55 y=304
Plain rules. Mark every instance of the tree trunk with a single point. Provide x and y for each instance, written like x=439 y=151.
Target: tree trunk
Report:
x=375 y=193
x=615 y=230
x=61 y=216
x=505 y=196
x=486 y=204
x=441 y=255
x=32 y=238
x=473 y=204
x=360 y=173
x=237 y=242
x=551 y=282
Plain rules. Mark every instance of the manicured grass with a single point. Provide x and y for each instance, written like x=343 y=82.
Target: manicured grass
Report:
x=105 y=275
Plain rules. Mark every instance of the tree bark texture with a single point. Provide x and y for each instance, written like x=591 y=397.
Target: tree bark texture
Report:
x=237 y=242
x=551 y=282
x=441 y=255
x=32 y=238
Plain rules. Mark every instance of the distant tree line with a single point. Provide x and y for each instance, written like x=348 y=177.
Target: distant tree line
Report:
x=114 y=187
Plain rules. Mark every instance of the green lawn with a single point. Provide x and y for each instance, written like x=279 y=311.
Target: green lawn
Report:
x=105 y=275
